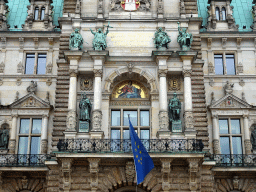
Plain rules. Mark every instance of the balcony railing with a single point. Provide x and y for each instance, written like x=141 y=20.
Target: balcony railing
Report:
x=238 y=160
x=124 y=146
x=23 y=160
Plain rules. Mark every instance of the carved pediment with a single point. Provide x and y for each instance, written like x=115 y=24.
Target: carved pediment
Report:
x=230 y=101
x=30 y=101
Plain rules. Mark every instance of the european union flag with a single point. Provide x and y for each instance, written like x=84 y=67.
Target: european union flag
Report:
x=143 y=162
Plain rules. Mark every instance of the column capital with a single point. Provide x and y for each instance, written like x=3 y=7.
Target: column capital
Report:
x=14 y=115
x=188 y=55
x=215 y=116
x=187 y=72
x=98 y=55
x=162 y=72
x=245 y=116
x=98 y=72
x=73 y=72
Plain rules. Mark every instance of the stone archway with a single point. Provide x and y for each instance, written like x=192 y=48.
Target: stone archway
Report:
x=130 y=189
x=110 y=80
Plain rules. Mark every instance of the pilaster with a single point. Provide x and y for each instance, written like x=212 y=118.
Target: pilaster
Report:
x=12 y=142
x=66 y=173
x=94 y=173
x=166 y=169
x=193 y=174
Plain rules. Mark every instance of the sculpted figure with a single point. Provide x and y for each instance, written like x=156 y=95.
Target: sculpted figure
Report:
x=99 y=41
x=129 y=91
x=161 y=39
x=85 y=108
x=228 y=88
x=253 y=139
x=76 y=40
x=174 y=108
x=184 y=39
x=32 y=87
x=4 y=138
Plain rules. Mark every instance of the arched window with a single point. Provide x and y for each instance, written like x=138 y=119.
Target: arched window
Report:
x=36 y=13
x=217 y=12
x=42 y=13
x=223 y=10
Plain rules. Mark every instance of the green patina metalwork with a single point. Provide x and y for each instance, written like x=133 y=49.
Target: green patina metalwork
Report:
x=18 y=13
x=76 y=40
x=253 y=138
x=184 y=39
x=85 y=108
x=174 y=108
x=161 y=39
x=99 y=42
x=242 y=13
x=4 y=138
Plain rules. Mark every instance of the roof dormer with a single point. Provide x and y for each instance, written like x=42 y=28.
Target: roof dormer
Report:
x=221 y=16
x=39 y=16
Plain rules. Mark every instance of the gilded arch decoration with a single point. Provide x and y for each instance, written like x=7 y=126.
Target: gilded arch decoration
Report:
x=109 y=81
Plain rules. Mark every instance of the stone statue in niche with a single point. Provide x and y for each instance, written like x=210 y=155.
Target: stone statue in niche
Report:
x=4 y=138
x=129 y=91
x=99 y=42
x=76 y=40
x=253 y=139
x=161 y=39
x=32 y=87
x=174 y=113
x=184 y=39
x=85 y=112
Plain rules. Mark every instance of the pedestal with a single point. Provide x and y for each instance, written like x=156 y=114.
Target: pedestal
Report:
x=84 y=126
x=176 y=126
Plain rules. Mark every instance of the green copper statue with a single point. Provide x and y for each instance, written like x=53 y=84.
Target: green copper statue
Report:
x=161 y=39
x=174 y=108
x=184 y=39
x=85 y=108
x=4 y=138
x=253 y=139
x=99 y=42
x=76 y=40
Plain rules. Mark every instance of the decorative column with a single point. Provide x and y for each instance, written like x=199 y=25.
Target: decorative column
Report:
x=44 y=136
x=187 y=58
x=194 y=174
x=216 y=135
x=247 y=142
x=161 y=60
x=12 y=143
x=99 y=59
x=73 y=57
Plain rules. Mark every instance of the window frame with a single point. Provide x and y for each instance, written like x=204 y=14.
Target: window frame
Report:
x=35 y=72
x=137 y=128
x=29 y=134
x=224 y=62
x=230 y=134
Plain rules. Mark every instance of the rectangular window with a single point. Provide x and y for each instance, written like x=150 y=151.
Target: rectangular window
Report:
x=230 y=65
x=224 y=64
x=29 y=136
x=218 y=61
x=35 y=63
x=140 y=120
x=230 y=136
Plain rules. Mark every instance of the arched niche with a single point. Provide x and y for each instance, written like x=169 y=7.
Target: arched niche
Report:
x=124 y=73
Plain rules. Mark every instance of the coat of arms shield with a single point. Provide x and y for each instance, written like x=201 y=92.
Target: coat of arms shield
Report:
x=130 y=5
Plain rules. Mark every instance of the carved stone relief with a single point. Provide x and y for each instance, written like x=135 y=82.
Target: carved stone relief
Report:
x=66 y=171
x=2 y=66
x=71 y=121
x=96 y=120
x=49 y=68
x=163 y=121
x=115 y=5
x=236 y=183
x=20 y=68
x=86 y=83
x=174 y=83
x=210 y=68
x=130 y=171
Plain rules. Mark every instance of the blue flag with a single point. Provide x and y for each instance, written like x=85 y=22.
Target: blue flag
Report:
x=143 y=162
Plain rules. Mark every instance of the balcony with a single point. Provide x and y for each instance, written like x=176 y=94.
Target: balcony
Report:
x=238 y=160
x=23 y=160
x=124 y=146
